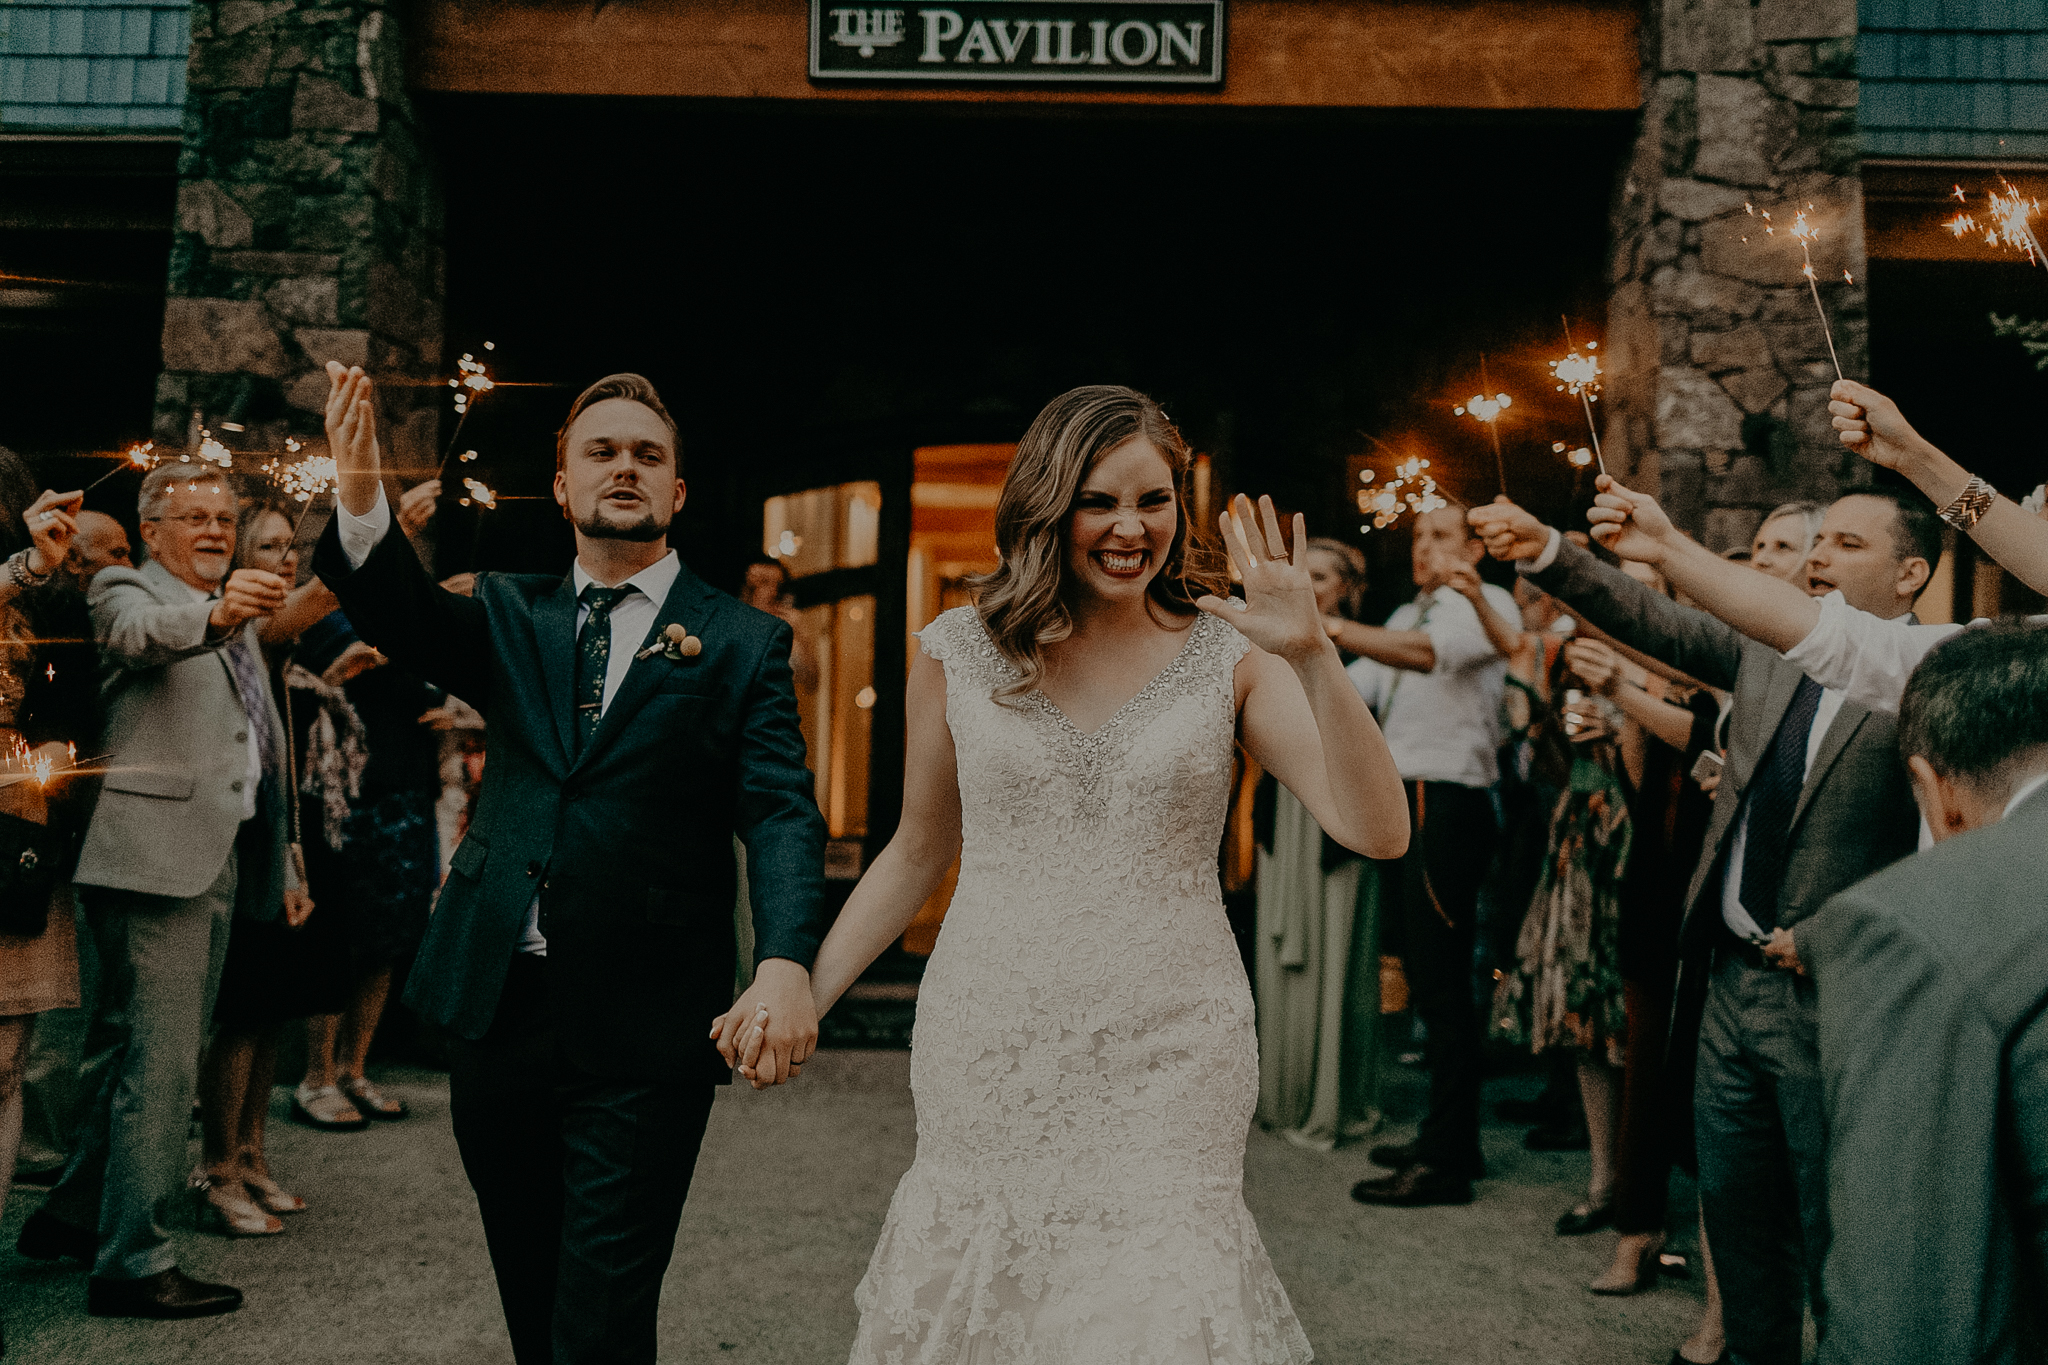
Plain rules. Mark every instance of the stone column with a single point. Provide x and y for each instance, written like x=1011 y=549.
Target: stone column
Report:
x=308 y=228
x=1718 y=368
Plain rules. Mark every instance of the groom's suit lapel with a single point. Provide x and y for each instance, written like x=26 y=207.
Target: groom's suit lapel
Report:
x=554 y=629
x=689 y=604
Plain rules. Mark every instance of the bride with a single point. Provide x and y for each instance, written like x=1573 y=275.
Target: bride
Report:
x=1084 y=1064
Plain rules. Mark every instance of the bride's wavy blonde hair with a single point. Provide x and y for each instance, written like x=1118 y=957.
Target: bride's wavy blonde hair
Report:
x=1023 y=603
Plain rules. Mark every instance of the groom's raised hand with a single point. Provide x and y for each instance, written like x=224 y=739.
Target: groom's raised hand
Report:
x=773 y=1050
x=351 y=421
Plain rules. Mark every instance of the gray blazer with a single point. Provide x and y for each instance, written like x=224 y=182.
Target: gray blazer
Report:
x=1855 y=814
x=1932 y=980
x=176 y=743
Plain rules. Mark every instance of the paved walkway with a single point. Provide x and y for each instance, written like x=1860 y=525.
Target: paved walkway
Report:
x=388 y=1266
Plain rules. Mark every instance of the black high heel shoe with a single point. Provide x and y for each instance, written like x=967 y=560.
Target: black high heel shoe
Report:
x=1584 y=1219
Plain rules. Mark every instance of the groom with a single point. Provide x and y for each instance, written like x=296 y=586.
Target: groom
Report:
x=638 y=720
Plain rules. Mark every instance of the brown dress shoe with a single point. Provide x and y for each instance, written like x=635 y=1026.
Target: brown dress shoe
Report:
x=168 y=1294
x=45 y=1237
x=1417 y=1187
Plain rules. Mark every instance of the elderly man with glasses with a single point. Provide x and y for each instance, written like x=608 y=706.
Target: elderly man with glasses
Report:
x=191 y=820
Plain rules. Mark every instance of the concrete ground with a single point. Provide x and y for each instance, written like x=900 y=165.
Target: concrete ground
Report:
x=388 y=1265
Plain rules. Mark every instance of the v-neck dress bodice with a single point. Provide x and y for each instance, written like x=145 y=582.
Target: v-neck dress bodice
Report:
x=1084 y=1062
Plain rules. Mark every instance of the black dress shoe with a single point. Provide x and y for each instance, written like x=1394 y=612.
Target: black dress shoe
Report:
x=45 y=1237
x=1584 y=1219
x=170 y=1294
x=1557 y=1138
x=1417 y=1187
x=1395 y=1156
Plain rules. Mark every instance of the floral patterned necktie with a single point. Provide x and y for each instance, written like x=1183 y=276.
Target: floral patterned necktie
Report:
x=593 y=658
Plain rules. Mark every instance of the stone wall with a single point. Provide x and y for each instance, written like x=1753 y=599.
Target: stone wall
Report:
x=308 y=227
x=1718 y=366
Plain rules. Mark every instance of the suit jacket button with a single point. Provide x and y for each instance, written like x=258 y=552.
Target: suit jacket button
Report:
x=241 y=736
x=533 y=869
x=235 y=785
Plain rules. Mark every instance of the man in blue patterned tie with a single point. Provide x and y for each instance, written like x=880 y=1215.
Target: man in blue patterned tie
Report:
x=190 y=830
x=639 y=721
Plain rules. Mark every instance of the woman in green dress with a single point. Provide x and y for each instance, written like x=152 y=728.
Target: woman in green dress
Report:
x=1317 y=961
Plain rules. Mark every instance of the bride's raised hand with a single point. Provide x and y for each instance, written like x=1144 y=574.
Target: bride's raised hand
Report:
x=1278 y=613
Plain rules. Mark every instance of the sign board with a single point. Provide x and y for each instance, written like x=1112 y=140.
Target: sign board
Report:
x=1058 y=42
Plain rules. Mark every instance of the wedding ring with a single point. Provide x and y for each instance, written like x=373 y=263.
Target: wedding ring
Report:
x=46 y=516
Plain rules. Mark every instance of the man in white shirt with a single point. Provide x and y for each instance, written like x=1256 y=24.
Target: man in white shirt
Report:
x=1433 y=674
x=1813 y=799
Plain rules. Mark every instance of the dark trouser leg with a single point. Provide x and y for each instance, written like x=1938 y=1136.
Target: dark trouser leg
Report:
x=508 y=1126
x=1440 y=875
x=632 y=1148
x=1643 y=1155
x=1756 y=1113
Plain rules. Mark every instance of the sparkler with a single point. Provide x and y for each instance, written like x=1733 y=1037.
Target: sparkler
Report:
x=304 y=480
x=481 y=495
x=1580 y=375
x=471 y=382
x=1386 y=503
x=143 y=457
x=1804 y=233
x=2009 y=226
x=1488 y=410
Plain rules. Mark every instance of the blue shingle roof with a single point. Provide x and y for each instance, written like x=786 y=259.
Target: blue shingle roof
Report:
x=93 y=64
x=1954 y=78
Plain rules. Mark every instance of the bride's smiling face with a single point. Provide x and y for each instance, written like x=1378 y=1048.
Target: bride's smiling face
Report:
x=1123 y=522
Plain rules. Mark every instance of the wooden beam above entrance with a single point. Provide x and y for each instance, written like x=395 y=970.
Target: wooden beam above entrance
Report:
x=1387 y=54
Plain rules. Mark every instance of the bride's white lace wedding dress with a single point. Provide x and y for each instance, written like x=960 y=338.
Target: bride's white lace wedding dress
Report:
x=1084 y=1063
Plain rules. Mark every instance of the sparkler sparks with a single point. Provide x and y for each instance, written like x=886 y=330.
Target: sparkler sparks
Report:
x=1488 y=411
x=1580 y=375
x=1580 y=457
x=1386 y=503
x=142 y=456
x=471 y=382
x=481 y=495
x=305 y=480
x=211 y=451
x=1803 y=230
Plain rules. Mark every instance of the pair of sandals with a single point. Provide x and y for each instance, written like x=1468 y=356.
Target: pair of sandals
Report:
x=221 y=1208
x=345 y=1108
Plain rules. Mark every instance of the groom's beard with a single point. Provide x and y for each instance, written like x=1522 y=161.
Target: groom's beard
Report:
x=646 y=528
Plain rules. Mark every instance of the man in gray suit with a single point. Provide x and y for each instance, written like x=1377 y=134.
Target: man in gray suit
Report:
x=1813 y=799
x=190 y=826
x=1933 y=984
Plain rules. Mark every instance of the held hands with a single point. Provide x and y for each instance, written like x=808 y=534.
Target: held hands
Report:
x=248 y=594
x=772 y=1029
x=1278 y=613
x=1508 y=531
x=52 y=523
x=1631 y=524
x=1871 y=425
x=352 y=436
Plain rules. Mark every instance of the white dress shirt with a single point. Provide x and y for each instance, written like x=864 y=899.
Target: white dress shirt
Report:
x=1443 y=725
x=632 y=618
x=253 y=775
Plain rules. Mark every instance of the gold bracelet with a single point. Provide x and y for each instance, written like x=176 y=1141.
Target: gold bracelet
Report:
x=1970 y=505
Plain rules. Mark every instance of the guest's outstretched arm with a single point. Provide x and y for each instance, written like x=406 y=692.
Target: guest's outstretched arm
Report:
x=1301 y=717
x=1871 y=425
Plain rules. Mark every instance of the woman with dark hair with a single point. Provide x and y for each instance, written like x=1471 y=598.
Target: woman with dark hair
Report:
x=40 y=724
x=1084 y=1062
x=1317 y=980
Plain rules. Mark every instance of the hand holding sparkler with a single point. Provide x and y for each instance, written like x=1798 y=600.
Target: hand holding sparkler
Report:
x=1631 y=524
x=1508 y=531
x=52 y=523
x=1871 y=425
x=416 y=506
x=352 y=437
x=247 y=595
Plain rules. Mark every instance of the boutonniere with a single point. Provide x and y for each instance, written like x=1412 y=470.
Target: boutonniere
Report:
x=675 y=644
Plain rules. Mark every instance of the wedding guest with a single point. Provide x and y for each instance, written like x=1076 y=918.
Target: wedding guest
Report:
x=1433 y=674
x=1933 y=1004
x=1784 y=538
x=1317 y=945
x=1866 y=655
x=190 y=817
x=377 y=867
x=1814 y=799
x=270 y=976
x=38 y=956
